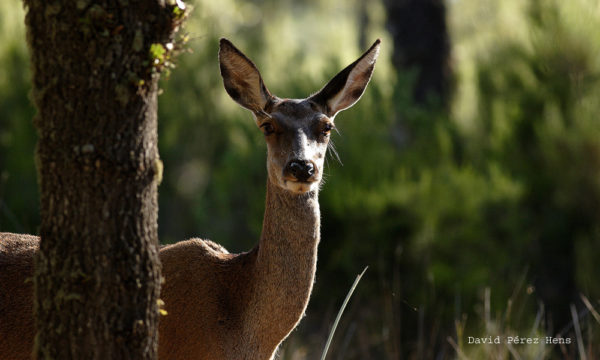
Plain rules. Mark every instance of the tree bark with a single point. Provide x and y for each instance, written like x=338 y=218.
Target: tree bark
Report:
x=95 y=74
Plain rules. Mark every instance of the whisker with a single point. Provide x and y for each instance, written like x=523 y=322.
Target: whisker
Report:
x=331 y=147
x=324 y=179
x=263 y=113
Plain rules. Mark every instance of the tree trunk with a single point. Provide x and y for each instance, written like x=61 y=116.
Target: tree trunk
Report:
x=97 y=277
x=421 y=43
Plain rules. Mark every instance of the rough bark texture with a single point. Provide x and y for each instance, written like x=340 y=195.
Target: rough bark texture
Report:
x=97 y=274
x=421 y=42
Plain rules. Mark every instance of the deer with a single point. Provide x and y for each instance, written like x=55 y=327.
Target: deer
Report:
x=220 y=305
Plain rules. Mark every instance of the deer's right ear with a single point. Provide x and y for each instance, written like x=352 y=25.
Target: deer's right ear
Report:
x=241 y=78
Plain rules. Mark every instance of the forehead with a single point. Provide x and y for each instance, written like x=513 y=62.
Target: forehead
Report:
x=296 y=111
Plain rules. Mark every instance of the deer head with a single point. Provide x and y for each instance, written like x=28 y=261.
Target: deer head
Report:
x=297 y=131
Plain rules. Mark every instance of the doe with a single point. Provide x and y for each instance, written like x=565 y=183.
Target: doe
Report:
x=221 y=305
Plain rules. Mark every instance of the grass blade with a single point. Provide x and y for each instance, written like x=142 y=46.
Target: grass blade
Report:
x=340 y=312
x=580 y=347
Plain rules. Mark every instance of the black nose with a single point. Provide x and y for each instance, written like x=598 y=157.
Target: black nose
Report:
x=300 y=169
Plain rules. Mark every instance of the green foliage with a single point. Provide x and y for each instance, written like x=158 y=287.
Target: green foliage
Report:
x=18 y=186
x=537 y=102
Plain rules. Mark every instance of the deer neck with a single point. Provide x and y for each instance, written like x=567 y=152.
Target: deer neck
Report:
x=285 y=264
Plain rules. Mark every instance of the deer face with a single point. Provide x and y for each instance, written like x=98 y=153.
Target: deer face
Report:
x=297 y=131
x=297 y=134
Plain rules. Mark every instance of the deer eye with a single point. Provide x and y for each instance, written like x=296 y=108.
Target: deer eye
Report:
x=267 y=128
x=327 y=129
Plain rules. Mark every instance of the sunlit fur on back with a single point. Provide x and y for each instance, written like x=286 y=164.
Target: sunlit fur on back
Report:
x=220 y=305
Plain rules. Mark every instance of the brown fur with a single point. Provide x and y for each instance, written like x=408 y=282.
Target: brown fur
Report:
x=241 y=306
x=16 y=295
x=219 y=305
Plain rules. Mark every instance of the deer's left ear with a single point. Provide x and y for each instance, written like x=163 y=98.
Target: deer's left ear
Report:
x=347 y=87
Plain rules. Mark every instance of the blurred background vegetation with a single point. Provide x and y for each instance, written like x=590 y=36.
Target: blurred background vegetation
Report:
x=469 y=178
